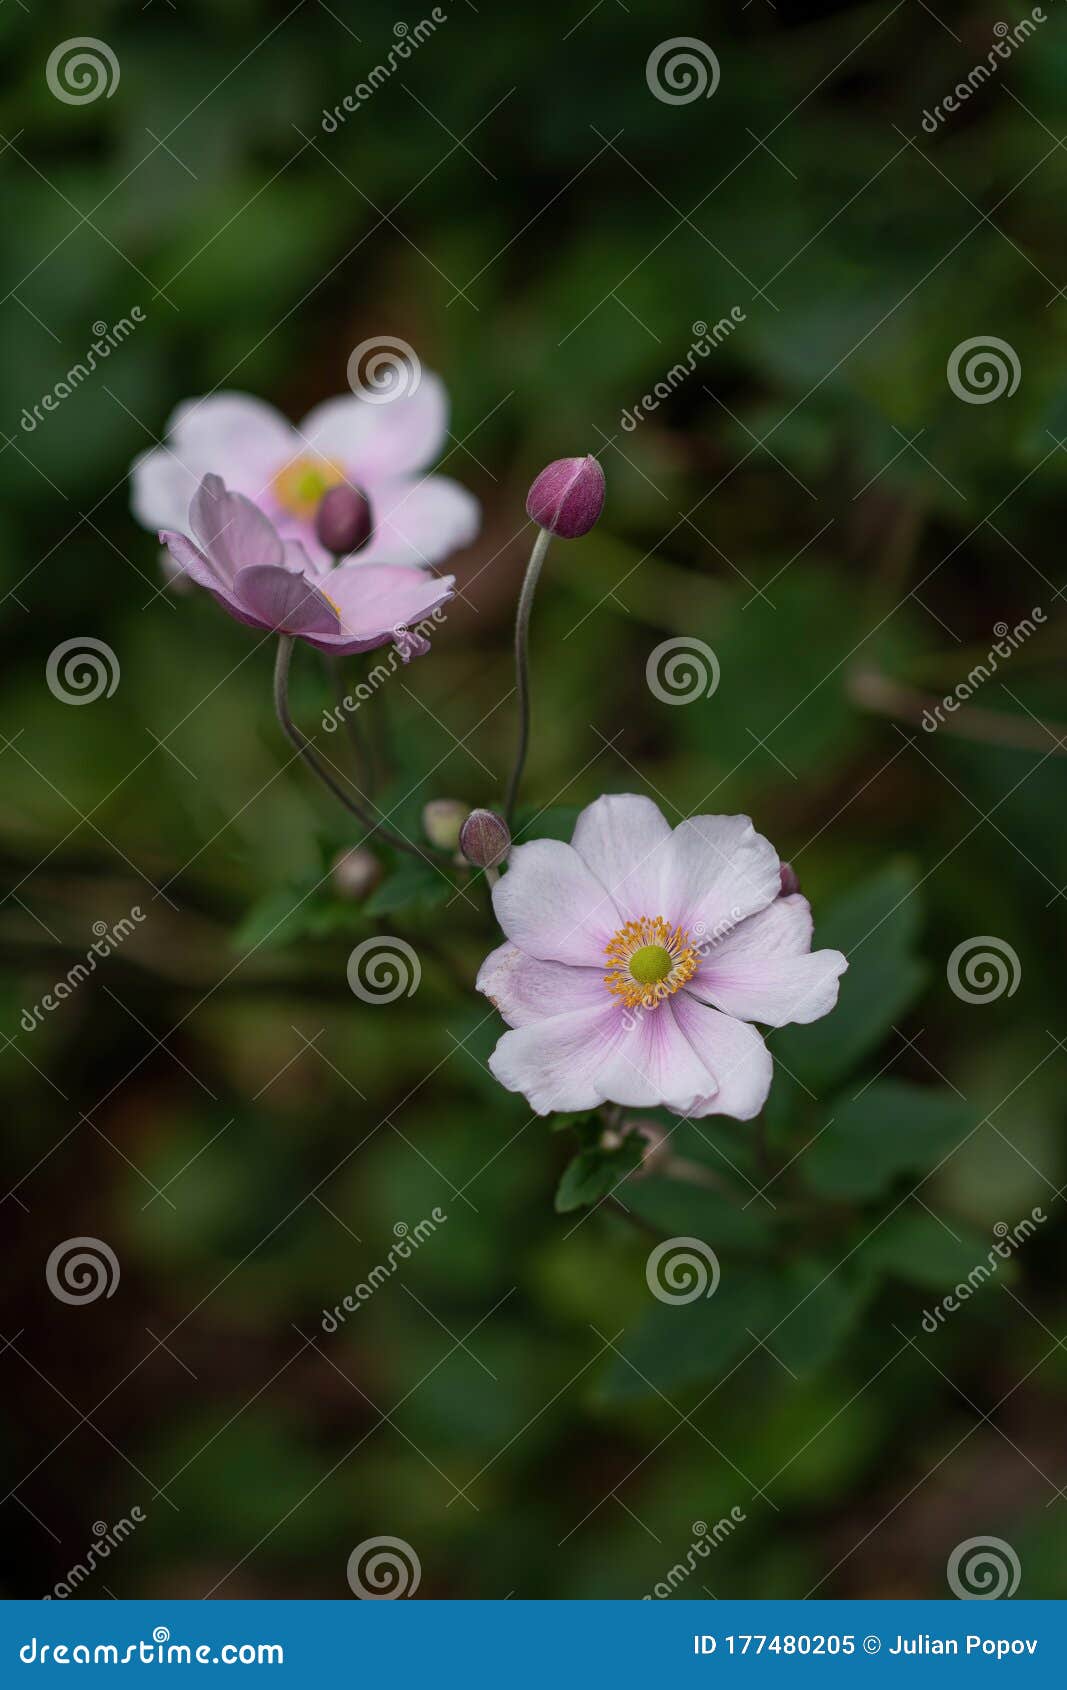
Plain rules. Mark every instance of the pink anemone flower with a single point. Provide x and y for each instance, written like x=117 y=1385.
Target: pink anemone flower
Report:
x=637 y=958
x=267 y=582
x=382 y=448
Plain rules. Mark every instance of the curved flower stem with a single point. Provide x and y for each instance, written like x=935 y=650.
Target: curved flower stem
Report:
x=315 y=763
x=522 y=665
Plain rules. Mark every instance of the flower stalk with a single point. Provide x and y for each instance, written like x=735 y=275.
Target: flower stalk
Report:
x=315 y=763
x=522 y=666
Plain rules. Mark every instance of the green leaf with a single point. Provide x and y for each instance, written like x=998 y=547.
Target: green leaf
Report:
x=277 y=918
x=875 y=925
x=680 y=1343
x=891 y=1128
x=919 y=1248
x=595 y=1172
x=678 y=1208
x=822 y=1301
x=413 y=883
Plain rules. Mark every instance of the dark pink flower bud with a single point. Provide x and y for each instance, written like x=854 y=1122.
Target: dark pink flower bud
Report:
x=343 y=521
x=790 y=883
x=484 y=839
x=567 y=497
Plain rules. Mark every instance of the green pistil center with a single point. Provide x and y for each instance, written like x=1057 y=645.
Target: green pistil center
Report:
x=651 y=964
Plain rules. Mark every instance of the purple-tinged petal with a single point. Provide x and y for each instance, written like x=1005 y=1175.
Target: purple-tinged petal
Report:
x=232 y=530
x=655 y=1065
x=716 y=871
x=284 y=601
x=377 y=600
x=525 y=989
x=766 y=971
x=734 y=1053
x=552 y=906
x=191 y=561
x=623 y=839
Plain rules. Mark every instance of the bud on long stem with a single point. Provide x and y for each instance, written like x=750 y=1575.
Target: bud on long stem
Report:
x=522 y=665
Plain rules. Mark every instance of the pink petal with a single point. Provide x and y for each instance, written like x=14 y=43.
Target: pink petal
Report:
x=765 y=970
x=553 y=907
x=554 y=1062
x=231 y=529
x=279 y=599
x=376 y=600
x=734 y=1053
x=654 y=1065
x=381 y=442
x=716 y=871
x=526 y=990
x=623 y=839
x=420 y=522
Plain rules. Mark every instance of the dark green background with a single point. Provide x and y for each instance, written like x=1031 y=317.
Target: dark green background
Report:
x=772 y=508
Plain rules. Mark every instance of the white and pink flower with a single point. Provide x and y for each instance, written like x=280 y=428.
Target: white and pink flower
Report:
x=382 y=448
x=638 y=958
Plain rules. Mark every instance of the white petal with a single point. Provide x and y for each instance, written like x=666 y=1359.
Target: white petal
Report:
x=554 y=1062
x=161 y=488
x=624 y=839
x=717 y=871
x=225 y=423
x=420 y=522
x=733 y=1051
x=765 y=970
x=381 y=442
x=525 y=989
x=553 y=907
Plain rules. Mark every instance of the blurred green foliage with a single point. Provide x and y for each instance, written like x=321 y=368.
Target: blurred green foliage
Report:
x=815 y=504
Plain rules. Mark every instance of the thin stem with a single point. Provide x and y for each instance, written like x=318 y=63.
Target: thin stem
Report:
x=314 y=762
x=522 y=666
x=873 y=691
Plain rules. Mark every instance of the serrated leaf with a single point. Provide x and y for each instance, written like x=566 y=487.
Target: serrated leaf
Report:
x=891 y=1128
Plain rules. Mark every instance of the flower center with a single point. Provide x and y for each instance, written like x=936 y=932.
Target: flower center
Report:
x=300 y=485
x=649 y=961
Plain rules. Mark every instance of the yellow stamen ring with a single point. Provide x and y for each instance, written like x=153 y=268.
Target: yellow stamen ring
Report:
x=649 y=961
x=299 y=486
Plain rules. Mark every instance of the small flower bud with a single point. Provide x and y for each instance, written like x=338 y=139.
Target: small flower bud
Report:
x=355 y=873
x=789 y=880
x=442 y=819
x=567 y=497
x=484 y=839
x=343 y=521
